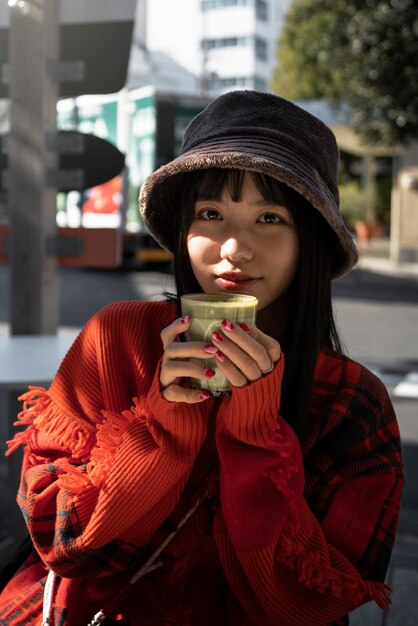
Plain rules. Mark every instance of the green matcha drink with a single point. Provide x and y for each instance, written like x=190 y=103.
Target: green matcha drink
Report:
x=207 y=310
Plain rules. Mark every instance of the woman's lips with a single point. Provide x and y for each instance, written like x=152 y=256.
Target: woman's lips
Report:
x=229 y=281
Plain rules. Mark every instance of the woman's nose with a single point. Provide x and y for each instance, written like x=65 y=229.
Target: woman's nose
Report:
x=237 y=247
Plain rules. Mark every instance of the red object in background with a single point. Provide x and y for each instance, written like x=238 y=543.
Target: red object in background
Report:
x=105 y=198
x=100 y=247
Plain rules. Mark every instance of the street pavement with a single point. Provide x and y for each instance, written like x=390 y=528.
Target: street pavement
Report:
x=377 y=313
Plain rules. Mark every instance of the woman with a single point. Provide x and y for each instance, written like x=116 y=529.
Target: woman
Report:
x=159 y=504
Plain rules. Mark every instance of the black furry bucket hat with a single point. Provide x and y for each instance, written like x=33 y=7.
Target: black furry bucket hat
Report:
x=260 y=132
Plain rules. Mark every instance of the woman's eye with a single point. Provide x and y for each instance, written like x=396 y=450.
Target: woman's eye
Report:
x=209 y=214
x=271 y=218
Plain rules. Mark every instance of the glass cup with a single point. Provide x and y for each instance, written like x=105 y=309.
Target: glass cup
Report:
x=207 y=310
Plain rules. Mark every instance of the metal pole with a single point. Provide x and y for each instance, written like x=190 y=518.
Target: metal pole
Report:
x=33 y=55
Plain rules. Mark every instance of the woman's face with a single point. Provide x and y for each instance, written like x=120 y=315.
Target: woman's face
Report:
x=250 y=246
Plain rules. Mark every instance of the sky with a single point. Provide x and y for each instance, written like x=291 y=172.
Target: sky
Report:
x=167 y=27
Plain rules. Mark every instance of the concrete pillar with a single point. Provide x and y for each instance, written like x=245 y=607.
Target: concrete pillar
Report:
x=404 y=214
x=33 y=56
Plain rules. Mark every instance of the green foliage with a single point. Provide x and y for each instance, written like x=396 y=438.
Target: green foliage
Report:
x=133 y=208
x=383 y=199
x=361 y=52
x=353 y=203
x=303 y=68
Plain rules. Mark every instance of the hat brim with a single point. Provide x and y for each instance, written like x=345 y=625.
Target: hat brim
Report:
x=158 y=192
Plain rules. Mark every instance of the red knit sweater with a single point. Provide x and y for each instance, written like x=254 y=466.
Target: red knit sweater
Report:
x=291 y=534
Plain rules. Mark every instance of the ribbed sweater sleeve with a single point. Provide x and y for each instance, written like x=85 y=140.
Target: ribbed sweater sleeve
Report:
x=283 y=565
x=106 y=457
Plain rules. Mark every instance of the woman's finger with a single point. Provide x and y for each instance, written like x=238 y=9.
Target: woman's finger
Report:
x=176 y=393
x=188 y=349
x=231 y=371
x=250 y=350
x=271 y=345
x=237 y=360
x=172 y=332
x=173 y=371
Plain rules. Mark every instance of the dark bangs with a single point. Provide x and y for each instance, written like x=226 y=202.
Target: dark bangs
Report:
x=212 y=183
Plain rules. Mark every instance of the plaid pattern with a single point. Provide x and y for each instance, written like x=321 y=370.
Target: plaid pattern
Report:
x=353 y=433
x=352 y=441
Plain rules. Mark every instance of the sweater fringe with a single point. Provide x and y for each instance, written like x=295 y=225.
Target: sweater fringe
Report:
x=312 y=572
x=74 y=480
x=40 y=412
x=108 y=439
x=285 y=476
x=98 y=443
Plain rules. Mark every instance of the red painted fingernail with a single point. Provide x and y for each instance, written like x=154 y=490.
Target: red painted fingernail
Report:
x=210 y=349
x=220 y=357
x=228 y=325
x=245 y=327
x=209 y=373
x=217 y=337
x=203 y=395
x=184 y=319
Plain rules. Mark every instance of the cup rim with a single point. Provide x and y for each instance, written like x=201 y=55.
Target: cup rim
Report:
x=196 y=299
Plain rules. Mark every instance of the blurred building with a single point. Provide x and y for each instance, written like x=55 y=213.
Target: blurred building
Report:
x=238 y=43
x=158 y=69
x=227 y=44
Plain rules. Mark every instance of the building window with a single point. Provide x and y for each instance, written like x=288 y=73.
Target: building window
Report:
x=261 y=10
x=222 y=83
x=225 y=42
x=249 y=82
x=208 y=5
x=260 y=84
x=260 y=49
x=260 y=45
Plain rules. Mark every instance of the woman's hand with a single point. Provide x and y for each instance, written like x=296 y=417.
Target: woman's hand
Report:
x=176 y=364
x=244 y=352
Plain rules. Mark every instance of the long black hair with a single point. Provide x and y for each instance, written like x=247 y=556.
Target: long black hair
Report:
x=310 y=320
